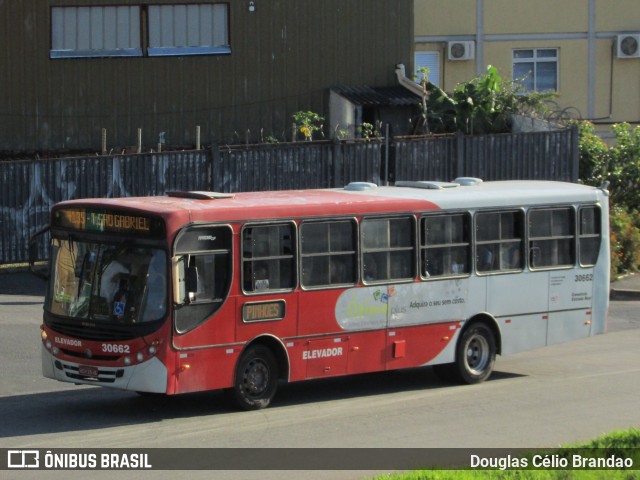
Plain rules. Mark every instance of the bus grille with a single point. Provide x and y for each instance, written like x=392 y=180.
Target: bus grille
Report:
x=105 y=375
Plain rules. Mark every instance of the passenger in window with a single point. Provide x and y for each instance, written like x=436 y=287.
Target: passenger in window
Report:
x=485 y=258
x=514 y=258
x=260 y=277
x=458 y=265
x=370 y=270
x=433 y=266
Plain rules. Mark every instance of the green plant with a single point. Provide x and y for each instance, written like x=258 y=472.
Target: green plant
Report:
x=625 y=240
x=368 y=131
x=307 y=123
x=593 y=156
x=482 y=105
x=619 y=165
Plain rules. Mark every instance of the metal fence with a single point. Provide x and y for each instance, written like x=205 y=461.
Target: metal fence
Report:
x=550 y=155
x=30 y=188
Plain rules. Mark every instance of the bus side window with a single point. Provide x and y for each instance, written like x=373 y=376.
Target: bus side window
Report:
x=445 y=245
x=202 y=273
x=552 y=237
x=328 y=253
x=268 y=257
x=590 y=236
x=499 y=241
x=388 y=249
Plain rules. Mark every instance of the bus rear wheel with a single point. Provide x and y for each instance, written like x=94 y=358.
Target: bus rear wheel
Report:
x=476 y=354
x=256 y=378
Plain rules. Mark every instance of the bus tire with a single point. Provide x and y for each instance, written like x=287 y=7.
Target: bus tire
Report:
x=475 y=354
x=256 y=378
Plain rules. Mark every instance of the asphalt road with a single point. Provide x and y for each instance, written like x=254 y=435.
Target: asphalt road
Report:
x=560 y=394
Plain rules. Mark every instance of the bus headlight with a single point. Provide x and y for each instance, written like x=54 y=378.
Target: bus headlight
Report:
x=48 y=344
x=152 y=350
x=55 y=350
x=139 y=357
x=127 y=360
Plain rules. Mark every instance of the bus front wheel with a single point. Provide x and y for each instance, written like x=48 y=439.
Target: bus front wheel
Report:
x=256 y=378
x=476 y=354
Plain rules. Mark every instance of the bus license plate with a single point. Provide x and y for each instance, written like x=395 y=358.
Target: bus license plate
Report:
x=87 y=371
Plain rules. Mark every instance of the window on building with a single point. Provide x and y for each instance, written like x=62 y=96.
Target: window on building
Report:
x=388 y=246
x=95 y=32
x=552 y=237
x=499 y=241
x=116 y=31
x=536 y=69
x=430 y=61
x=328 y=253
x=196 y=29
x=268 y=258
x=445 y=245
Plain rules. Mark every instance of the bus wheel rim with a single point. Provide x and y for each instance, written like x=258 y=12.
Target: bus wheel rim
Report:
x=477 y=354
x=256 y=378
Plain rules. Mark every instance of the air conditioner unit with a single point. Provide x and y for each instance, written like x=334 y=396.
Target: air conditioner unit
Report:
x=628 y=45
x=461 y=50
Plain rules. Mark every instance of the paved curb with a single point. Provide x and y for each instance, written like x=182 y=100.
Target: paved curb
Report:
x=625 y=287
x=623 y=294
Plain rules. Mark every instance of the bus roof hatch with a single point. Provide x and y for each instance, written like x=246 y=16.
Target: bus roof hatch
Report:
x=200 y=195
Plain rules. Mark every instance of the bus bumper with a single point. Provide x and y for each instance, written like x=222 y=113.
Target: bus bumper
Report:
x=149 y=376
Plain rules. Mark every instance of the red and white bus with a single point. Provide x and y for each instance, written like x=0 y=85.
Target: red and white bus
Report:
x=201 y=291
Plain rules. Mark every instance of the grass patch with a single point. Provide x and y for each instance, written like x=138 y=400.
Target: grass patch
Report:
x=618 y=443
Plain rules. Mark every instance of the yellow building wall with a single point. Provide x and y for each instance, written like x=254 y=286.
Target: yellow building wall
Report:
x=534 y=16
x=615 y=92
x=450 y=17
x=614 y=15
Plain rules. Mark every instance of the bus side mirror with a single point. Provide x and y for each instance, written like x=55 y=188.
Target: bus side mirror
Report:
x=185 y=280
x=179 y=287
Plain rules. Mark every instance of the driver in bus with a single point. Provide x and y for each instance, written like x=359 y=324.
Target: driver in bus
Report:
x=120 y=300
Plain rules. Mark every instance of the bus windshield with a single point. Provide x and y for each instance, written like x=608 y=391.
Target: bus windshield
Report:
x=107 y=283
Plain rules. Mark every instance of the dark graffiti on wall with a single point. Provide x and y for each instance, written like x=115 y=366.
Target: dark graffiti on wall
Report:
x=30 y=189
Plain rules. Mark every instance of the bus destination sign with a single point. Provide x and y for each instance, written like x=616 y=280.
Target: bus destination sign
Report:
x=263 y=311
x=100 y=220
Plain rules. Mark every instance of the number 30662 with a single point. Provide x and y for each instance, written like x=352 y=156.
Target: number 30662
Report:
x=114 y=348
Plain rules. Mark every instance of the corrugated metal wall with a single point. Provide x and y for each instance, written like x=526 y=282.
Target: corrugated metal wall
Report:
x=283 y=57
x=300 y=165
x=29 y=189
